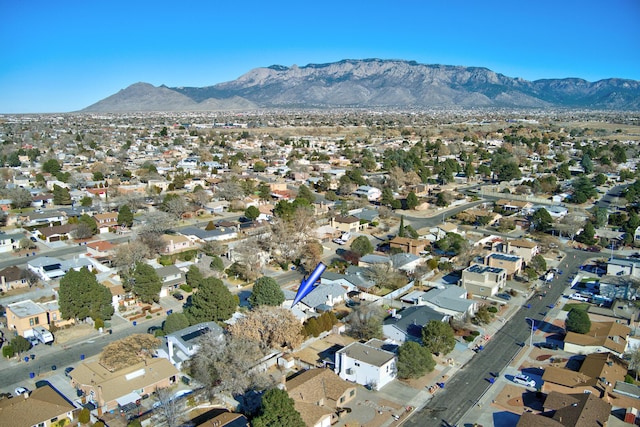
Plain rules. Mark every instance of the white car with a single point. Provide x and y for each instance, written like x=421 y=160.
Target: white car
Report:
x=19 y=391
x=524 y=380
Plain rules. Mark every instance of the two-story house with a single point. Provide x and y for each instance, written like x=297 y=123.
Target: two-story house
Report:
x=106 y=222
x=483 y=280
x=10 y=241
x=511 y=263
x=368 y=364
x=408 y=245
x=179 y=346
x=346 y=224
x=25 y=315
x=172 y=277
x=11 y=278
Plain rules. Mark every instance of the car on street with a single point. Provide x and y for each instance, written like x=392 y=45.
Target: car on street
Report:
x=524 y=380
x=19 y=391
x=504 y=296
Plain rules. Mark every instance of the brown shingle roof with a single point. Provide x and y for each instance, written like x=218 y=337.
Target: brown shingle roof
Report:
x=11 y=274
x=312 y=414
x=611 y=335
x=579 y=410
x=42 y=404
x=316 y=385
x=566 y=377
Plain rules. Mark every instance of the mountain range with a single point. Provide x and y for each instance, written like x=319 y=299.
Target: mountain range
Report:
x=376 y=83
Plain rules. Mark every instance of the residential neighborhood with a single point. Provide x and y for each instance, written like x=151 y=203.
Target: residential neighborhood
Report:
x=152 y=269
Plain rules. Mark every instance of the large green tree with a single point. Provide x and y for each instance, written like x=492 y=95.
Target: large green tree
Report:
x=306 y=194
x=61 y=195
x=81 y=296
x=125 y=216
x=146 y=283
x=588 y=234
x=414 y=360
x=194 y=276
x=578 y=321
x=175 y=322
x=438 y=337
x=362 y=245
x=542 y=220
x=252 y=213
x=266 y=291
x=51 y=166
x=212 y=302
x=277 y=410
x=412 y=200
x=89 y=222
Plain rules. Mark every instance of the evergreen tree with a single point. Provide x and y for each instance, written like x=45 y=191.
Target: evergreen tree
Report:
x=361 y=245
x=89 y=222
x=438 y=337
x=146 y=283
x=277 y=410
x=306 y=194
x=542 y=220
x=61 y=195
x=175 y=322
x=588 y=234
x=401 y=232
x=125 y=216
x=266 y=291
x=412 y=200
x=212 y=302
x=252 y=213
x=414 y=360
x=81 y=296
x=194 y=276
x=578 y=321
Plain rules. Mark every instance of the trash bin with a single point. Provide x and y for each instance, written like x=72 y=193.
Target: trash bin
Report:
x=135 y=323
x=110 y=331
x=32 y=375
x=82 y=357
x=26 y=359
x=33 y=356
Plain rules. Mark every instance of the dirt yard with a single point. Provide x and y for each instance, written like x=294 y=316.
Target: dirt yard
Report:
x=73 y=332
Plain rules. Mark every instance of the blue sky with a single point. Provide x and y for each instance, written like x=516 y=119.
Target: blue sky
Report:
x=61 y=56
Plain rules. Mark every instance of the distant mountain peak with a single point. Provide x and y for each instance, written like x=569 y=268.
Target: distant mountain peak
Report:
x=374 y=82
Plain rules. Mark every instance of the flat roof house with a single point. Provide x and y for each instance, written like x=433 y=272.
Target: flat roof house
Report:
x=483 y=280
x=367 y=364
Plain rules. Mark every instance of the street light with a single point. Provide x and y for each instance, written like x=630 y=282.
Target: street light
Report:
x=533 y=328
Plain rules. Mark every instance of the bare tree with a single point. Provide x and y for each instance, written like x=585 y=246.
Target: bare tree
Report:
x=127 y=256
x=157 y=222
x=250 y=256
x=229 y=190
x=229 y=366
x=168 y=407
x=271 y=327
x=570 y=225
x=365 y=322
x=128 y=351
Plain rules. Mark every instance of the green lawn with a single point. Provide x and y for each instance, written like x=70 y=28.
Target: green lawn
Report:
x=576 y=305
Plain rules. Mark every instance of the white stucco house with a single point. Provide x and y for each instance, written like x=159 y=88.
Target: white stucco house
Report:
x=179 y=346
x=371 y=364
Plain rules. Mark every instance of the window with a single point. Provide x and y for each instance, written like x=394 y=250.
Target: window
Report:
x=54 y=419
x=342 y=400
x=352 y=393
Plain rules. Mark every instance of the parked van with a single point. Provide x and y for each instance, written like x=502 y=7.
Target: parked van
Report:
x=524 y=380
x=579 y=297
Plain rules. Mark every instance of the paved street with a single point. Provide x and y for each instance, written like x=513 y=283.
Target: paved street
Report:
x=467 y=386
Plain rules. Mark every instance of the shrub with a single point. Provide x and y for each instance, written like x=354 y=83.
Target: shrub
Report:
x=469 y=338
x=475 y=333
x=186 y=288
x=7 y=351
x=165 y=260
x=629 y=379
x=98 y=323
x=492 y=309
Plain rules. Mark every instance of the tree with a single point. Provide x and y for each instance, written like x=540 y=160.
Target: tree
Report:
x=412 y=200
x=61 y=195
x=305 y=193
x=125 y=216
x=586 y=163
x=86 y=202
x=226 y=365
x=266 y=291
x=194 y=276
x=578 y=321
x=443 y=199
x=541 y=220
x=483 y=316
x=362 y=245
x=89 y=222
x=146 y=283
x=277 y=409
x=175 y=322
x=8 y=351
x=588 y=234
x=51 y=166
x=128 y=351
x=414 y=360
x=20 y=198
x=212 y=302
x=633 y=356
x=312 y=254
x=20 y=344
x=128 y=255
x=438 y=337
x=252 y=213
x=538 y=263
x=168 y=407
x=401 y=232
x=81 y=296
x=365 y=322
x=272 y=327
x=84 y=417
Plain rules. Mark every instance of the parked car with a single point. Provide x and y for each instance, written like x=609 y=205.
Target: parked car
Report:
x=178 y=296
x=33 y=239
x=19 y=391
x=67 y=371
x=42 y=383
x=504 y=296
x=593 y=249
x=548 y=345
x=524 y=380
x=579 y=297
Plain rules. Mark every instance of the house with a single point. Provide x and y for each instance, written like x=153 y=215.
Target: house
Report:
x=512 y=206
x=368 y=364
x=370 y=193
x=42 y=200
x=569 y=410
x=56 y=233
x=47 y=268
x=597 y=374
x=321 y=298
x=31 y=219
x=346 y=224
x=451 y=301
x=526 y=249
x=408 y=245
x=602 y=337
x=42 y=407
x=106 y=222
x=408 y=323
x=179 y=346
x=406 y=262
x=354 y=278
x=511 y=263
x=175 y=243
x=636 y=234
x=483 y=280
x=109 y=390
x=25 y=315
x=219 y=418
x=617 y=266
x=318 y=394
x=100 y=249
x=10 y=242
x=218 y=234
x=11 y=278
x=171 y=277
